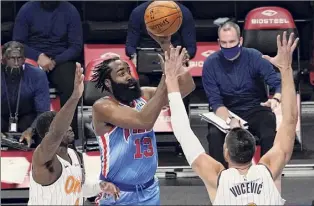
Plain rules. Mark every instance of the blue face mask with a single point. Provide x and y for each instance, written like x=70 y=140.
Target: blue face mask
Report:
x=231 y=53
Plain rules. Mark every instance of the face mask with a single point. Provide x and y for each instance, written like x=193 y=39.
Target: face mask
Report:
x=13 y=71
x=231 y=53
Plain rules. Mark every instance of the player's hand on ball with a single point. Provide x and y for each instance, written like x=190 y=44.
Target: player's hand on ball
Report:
x=109 y=188
x=163 y=41
x=174 y=62
x=283 y=59
x=78 y=82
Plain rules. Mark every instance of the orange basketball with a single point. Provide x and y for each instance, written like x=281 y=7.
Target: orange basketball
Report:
x=163 y=18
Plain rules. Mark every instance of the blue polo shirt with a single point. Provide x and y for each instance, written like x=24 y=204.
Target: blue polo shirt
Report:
x=238 y=85
x=34 y=97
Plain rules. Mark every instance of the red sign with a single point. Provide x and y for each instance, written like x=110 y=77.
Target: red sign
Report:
x=204 y=49
x=269 y=18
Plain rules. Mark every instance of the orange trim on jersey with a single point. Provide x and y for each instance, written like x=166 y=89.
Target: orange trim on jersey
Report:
x=105 y=148
x=72 y=185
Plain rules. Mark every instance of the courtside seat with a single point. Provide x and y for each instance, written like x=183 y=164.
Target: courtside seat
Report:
x=205 y=12
x=301 y=11
x=7 y=20
x=106 y=22
x=261 y=27
x=263 y=24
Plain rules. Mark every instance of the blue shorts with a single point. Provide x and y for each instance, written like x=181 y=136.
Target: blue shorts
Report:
x=148 y=196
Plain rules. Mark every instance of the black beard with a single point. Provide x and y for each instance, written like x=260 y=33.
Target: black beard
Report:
x=124 y=94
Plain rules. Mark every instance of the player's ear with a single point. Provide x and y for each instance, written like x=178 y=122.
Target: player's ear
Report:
x=226 y=154
x=108 y=83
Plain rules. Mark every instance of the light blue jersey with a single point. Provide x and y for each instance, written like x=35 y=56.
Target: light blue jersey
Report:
x=129 y=158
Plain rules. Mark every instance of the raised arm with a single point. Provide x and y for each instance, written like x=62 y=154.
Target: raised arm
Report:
x=106 y=110
x=47 y=149
x=277 y=157
x=205 y=166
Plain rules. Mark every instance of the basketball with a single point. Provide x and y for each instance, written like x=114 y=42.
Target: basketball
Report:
x=163 y=18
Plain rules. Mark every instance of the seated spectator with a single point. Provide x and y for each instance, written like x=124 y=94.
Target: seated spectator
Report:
x=138 y=36
x=234 y=79
x=52 y=34
x=24 y=92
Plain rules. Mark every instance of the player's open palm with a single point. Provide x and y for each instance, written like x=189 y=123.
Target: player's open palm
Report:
x=78 y=81
x=174 y=62
x=285 y=49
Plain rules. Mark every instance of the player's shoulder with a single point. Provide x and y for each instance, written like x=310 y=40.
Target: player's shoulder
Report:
x=107 y=100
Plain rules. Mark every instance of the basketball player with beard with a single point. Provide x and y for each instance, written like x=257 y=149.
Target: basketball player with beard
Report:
x=57 y=176
x=123 y=122
x=243 y=183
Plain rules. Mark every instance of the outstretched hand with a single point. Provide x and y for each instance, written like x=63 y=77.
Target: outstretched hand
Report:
x=173 y=66
x=78 y=82
x=283 y=59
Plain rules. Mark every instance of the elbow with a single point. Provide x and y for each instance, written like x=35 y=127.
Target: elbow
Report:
x=145 y=123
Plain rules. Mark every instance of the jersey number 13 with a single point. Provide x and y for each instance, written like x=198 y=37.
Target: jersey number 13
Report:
x=148 y=152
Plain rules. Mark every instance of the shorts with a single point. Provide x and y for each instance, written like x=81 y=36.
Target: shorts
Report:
x=148 y=196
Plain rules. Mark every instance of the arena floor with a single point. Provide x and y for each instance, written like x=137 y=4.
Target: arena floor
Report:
x=191 y=191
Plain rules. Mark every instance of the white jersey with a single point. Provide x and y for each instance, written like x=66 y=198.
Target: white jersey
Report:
x=255 y=188
x=65 y=191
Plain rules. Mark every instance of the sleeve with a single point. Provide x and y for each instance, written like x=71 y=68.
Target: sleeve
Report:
x=41 y=94
x=190 y=144
x=210 y=85
x=133 y=35
x=75 y=38
x=267 y=72
x=188 y=33
x=21 y=30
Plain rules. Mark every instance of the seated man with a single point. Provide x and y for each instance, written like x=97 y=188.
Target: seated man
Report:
x=51 y=32
x=138 y=36
x=24 y=91
x=234 y=79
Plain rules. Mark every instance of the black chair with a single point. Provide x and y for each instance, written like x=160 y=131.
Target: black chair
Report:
x=90 y=96
x=7 y=20
x=263 y=37
x=106 y=22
